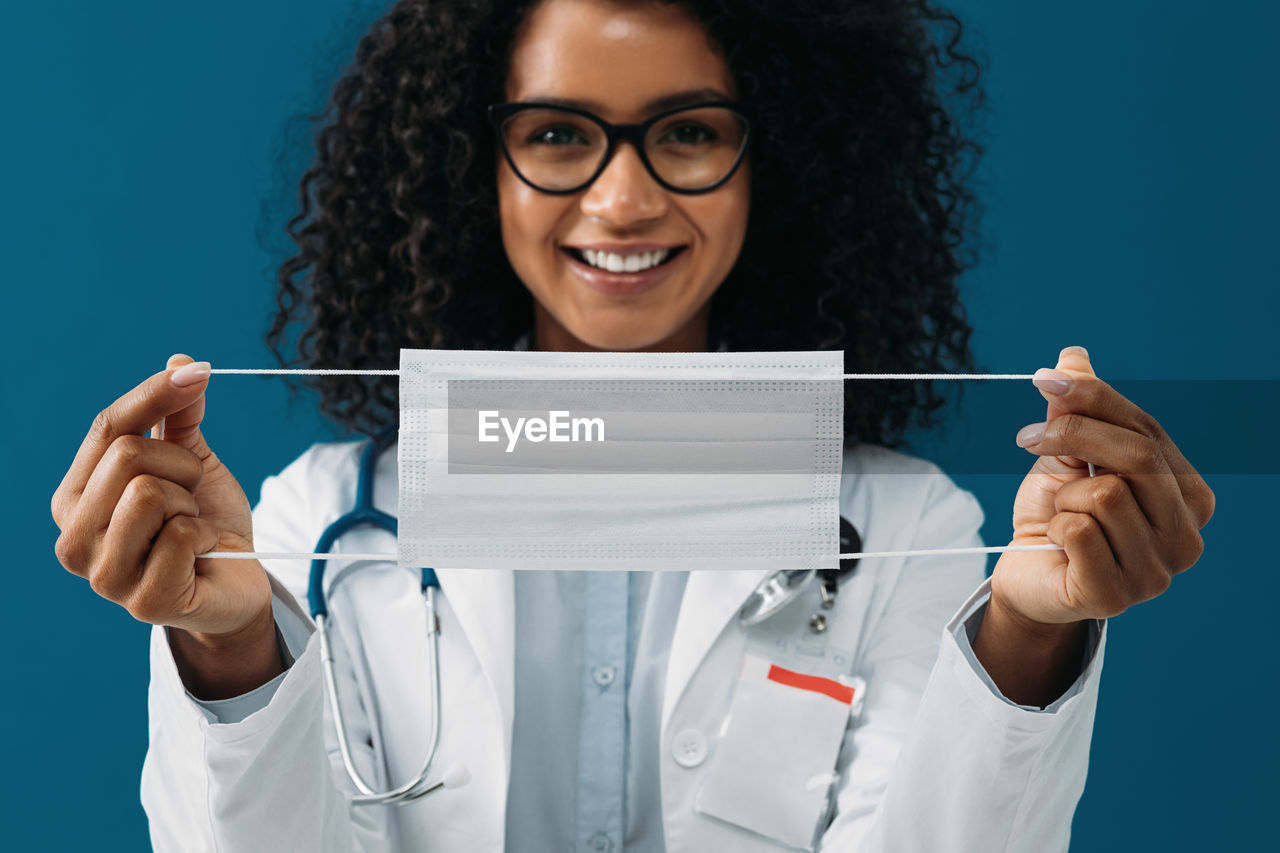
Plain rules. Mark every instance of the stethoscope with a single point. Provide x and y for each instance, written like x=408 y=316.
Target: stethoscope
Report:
x=785 y=586
x=363 y=514
x=770 y=596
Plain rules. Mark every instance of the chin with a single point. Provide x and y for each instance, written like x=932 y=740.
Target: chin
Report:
x=623 y=334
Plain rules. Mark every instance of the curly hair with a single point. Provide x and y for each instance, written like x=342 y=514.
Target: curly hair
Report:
x=861 y=216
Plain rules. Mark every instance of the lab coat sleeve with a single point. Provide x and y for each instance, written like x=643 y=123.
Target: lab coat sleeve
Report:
x=939 y=760
x=265 y=782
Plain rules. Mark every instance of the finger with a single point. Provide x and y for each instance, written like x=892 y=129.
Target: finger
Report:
x=83 y=541
x=1146 y=562
x=1121 y=450
x=1076 y=360
x=1093 y=583
x=148 y=502
x=128 y=457
x=183 y=427
x=1085 y=394
x=1073 y=363
x=159 y=396
x=166 y=592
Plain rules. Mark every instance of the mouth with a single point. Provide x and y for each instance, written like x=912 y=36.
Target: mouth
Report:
x=624 y=265
x=647 y=270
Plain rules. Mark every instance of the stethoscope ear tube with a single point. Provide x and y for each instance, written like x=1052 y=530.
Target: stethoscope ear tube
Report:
x=409 y=791
x=364 y=514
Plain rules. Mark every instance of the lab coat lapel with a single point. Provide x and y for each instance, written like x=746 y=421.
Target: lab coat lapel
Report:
x=711 y=600
x=483 y=600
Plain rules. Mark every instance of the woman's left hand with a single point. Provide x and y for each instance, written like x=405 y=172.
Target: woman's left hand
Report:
x=1126 y=531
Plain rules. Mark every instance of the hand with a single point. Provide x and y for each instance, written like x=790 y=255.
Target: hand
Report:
x=1126 y=531
x=134 y=511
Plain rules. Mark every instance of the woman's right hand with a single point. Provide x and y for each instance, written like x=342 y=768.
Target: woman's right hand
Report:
x=135 y=511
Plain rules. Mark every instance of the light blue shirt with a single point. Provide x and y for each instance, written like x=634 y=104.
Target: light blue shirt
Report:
x=584 y=774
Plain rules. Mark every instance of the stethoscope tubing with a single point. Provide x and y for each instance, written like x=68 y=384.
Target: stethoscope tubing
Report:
x=363 y=514
x=406 y=792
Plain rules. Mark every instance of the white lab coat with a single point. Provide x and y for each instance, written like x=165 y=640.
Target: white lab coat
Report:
x=936 y=762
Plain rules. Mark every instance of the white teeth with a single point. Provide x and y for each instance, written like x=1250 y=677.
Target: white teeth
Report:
x=630 y=263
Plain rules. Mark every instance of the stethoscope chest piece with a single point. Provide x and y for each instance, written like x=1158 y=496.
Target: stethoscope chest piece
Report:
x=775 y=592
x=782 y=587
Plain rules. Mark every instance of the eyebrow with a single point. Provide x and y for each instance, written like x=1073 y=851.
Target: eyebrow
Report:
x=666 y=102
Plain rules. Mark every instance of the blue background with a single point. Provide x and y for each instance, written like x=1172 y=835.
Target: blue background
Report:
x=1130 y=186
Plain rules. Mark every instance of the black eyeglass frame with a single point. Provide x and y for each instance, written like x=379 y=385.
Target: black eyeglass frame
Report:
x=615 y=133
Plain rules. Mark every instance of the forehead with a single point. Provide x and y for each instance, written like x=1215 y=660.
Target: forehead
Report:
x=617 y=55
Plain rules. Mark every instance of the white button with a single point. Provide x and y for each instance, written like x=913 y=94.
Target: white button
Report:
x=689 y=748
x=600 y=844
x=603 y=675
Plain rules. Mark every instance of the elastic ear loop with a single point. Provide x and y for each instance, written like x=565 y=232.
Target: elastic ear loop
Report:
x=158 y=432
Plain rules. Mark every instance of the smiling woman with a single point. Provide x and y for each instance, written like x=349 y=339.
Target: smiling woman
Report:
x=842 y=223
x=665 y=177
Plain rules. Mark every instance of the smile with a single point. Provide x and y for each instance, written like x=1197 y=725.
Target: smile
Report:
x=623 y=275
x=616 y=263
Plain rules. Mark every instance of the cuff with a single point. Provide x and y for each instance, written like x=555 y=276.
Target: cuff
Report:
x=964 y=628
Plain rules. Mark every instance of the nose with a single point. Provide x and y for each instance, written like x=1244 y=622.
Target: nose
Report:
x=625 y=193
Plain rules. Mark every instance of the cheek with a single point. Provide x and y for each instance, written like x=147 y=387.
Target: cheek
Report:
x=725 y=227
x=527 y=220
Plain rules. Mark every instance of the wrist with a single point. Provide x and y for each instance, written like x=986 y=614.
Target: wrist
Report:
x=220 y=666
x=1035 y=634
x=1031 y=662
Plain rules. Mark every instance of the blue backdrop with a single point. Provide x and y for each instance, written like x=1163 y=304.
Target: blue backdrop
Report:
x=1130 y=186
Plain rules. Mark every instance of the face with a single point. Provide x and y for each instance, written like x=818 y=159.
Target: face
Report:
x=616 y=59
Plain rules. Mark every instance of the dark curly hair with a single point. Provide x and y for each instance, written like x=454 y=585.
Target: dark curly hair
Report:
x=861 y=216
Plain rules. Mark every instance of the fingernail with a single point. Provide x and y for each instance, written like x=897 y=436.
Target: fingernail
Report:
x=1053 y=381
x=1077 y=350
x=190 y=374
x=1030 y=434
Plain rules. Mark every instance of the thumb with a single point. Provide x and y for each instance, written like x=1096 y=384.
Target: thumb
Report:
x=1074 y=362
x=183 y=426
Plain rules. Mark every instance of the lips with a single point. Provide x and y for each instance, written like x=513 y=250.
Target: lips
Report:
x=622 y=284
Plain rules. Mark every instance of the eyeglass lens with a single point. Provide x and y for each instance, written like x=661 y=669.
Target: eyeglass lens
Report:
x=559 y=150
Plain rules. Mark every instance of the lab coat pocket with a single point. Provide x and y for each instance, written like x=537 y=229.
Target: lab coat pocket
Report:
x=775 y=758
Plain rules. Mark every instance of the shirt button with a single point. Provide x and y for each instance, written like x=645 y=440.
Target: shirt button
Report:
x=600 y=844
x=603 y=675
x=689 y=748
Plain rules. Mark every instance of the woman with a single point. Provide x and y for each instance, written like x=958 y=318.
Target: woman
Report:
x=842 y=111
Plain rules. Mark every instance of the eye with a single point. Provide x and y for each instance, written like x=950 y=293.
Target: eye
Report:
x=557 y=136
x=690 y=134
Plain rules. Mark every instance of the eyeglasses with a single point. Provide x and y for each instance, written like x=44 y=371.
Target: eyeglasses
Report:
x=561 y=150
